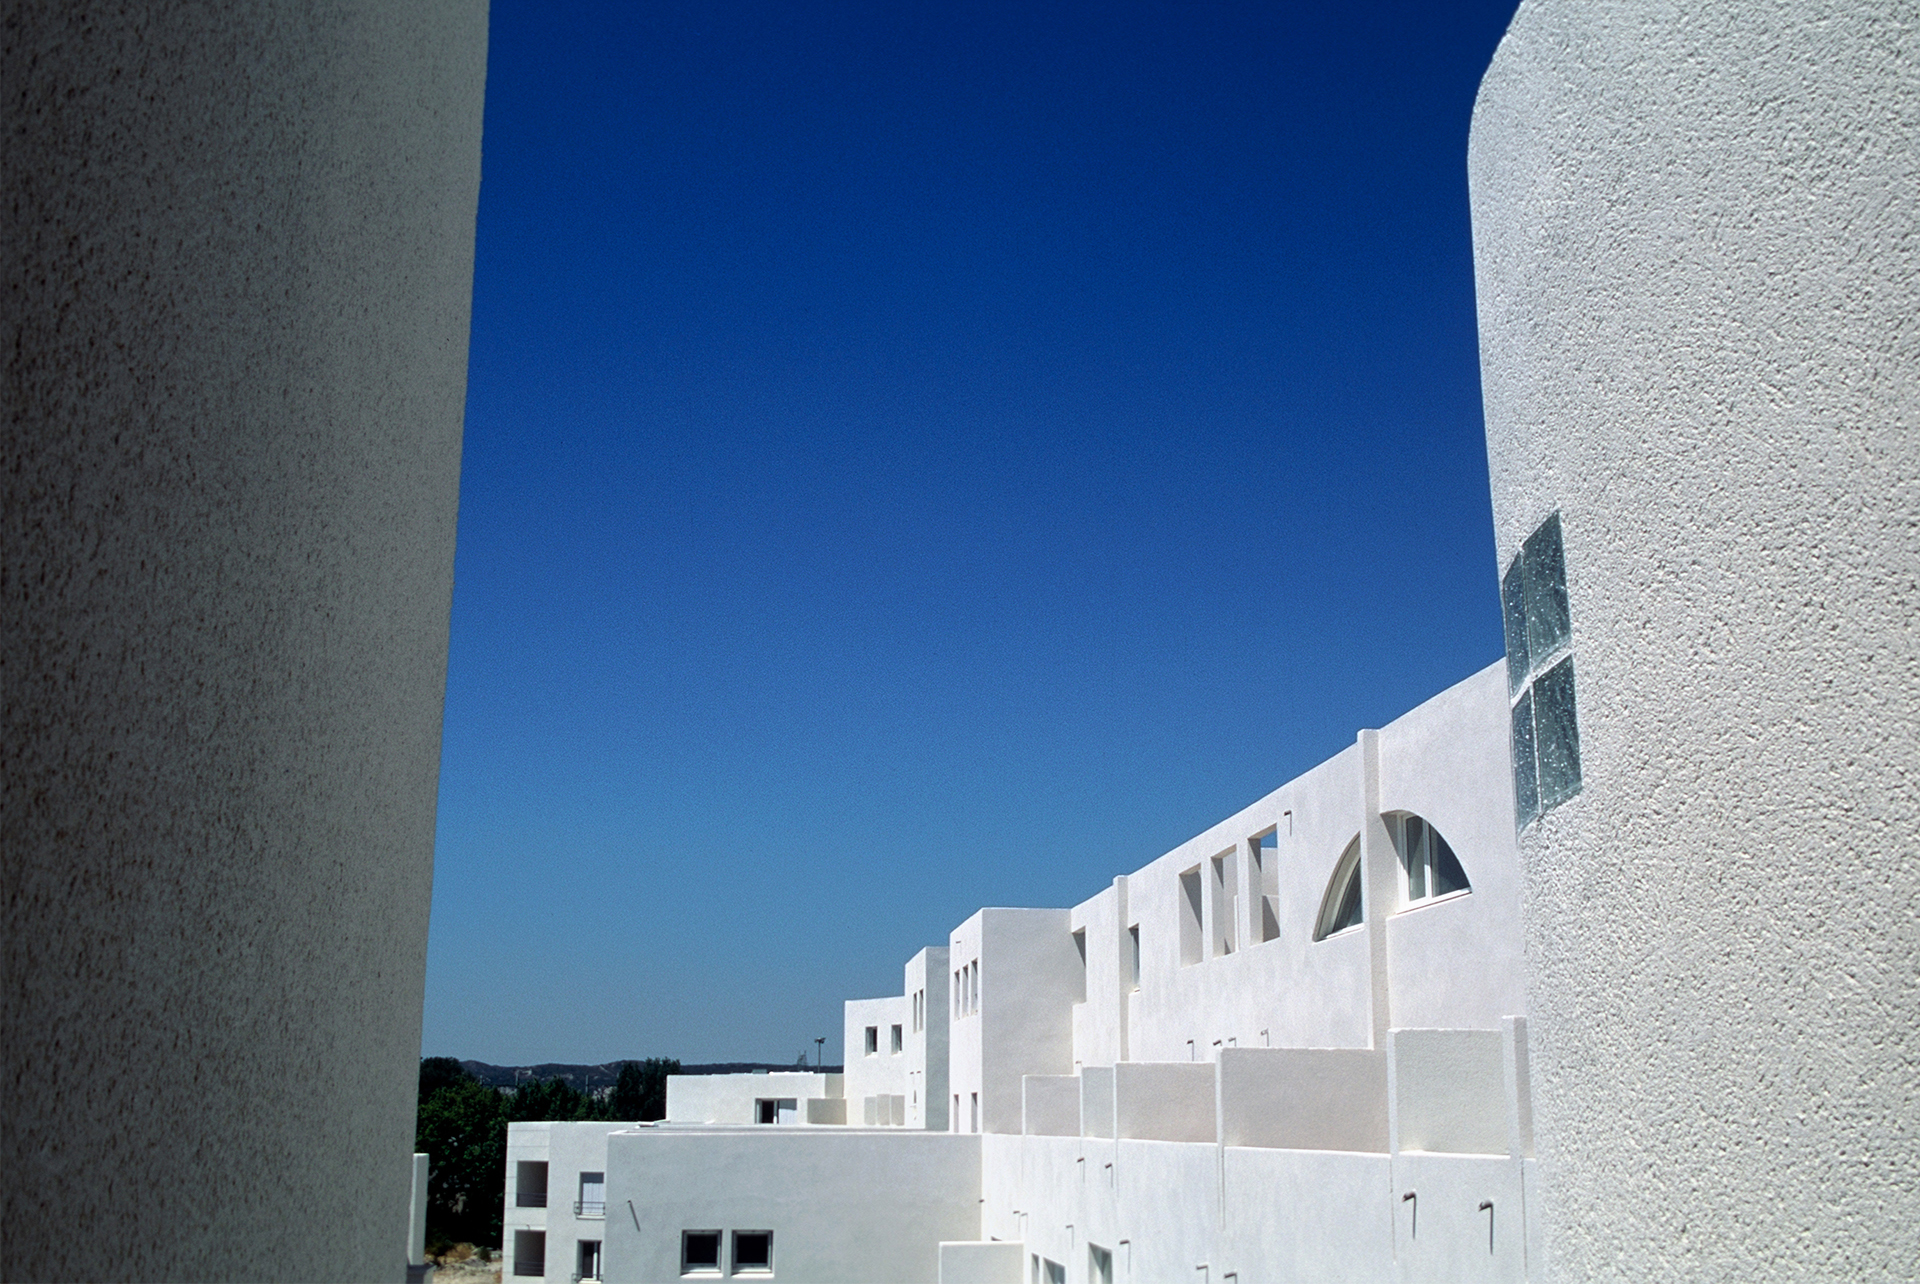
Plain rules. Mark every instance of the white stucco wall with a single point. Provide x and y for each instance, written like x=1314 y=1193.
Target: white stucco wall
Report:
x=568 y=1150
x=238 y=274
x=843 y=1204
x=1456 y=962
x=1699 y=292
x=731 y=1098
x=874 y=1080
x=927 y=973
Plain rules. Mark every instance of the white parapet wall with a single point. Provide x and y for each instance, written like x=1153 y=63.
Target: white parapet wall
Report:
x=840 y=1204
x=983 y=1262
x=1304 y=1098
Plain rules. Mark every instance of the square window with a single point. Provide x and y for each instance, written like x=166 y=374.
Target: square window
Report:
x=752 y=1251
x=699 y=1251
x=529 y=1252
x=530 y=1184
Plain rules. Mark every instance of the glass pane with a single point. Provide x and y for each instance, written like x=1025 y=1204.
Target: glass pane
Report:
x=1558 y=731
x=1548 y=623
x=1526 y=792
x=1513 y=613
x=1447 y=874
x=1415 y=857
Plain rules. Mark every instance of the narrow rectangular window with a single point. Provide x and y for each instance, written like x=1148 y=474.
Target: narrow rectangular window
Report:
x=1226 y=903
x=1264 y=851
x=1526 y=786
x=955 y=1122
x=898 y=1042
x=873 y=1039
x=974 y=984
x=1513 y=616
x=1080 y=977
x=976 y=1112
x=1190 y=931
x=1556 y=734
x=1544 y=565
x=1133 y=945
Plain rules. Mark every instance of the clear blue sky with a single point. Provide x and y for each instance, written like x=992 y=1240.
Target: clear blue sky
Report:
x=922 y=457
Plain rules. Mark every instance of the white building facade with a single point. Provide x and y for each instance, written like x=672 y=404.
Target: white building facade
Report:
x=1293 y=1046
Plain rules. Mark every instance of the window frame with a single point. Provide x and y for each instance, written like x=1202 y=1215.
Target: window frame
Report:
x=1346 y=873
x=733 y=1256
x=1397 y=827
x=719 y=1243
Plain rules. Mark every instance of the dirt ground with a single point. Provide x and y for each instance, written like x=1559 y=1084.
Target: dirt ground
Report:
x=458 y=1265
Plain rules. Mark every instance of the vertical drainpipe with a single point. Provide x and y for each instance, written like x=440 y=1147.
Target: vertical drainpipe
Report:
x=1380 y=868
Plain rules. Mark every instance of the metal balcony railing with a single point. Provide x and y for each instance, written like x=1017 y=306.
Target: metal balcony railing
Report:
x=530 y=1199
x=589 y=1208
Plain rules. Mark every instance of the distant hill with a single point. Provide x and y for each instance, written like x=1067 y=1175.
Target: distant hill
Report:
x=593 y=1078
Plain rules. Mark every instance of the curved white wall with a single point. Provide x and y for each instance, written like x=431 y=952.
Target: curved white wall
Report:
x=1695 y=240
x=240 y=245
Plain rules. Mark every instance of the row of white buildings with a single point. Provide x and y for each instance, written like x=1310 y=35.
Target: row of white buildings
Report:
x=1292 y=1047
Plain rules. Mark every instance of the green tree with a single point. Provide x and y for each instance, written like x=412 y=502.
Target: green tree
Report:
x=640 y=1093
x=462 y=1128
x=439 y=1072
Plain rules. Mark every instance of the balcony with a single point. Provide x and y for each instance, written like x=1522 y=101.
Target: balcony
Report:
x=589 y=1208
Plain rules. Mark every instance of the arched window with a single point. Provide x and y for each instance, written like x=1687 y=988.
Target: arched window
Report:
x=1428 y=867
x=1341 y=908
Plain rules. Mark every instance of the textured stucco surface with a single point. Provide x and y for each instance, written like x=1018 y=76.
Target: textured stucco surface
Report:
x=239 y=265
x=1696 y=237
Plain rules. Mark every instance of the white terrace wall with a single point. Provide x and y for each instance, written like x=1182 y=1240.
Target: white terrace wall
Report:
x=842 y=1203
x=238 y=274
x=1699 y=292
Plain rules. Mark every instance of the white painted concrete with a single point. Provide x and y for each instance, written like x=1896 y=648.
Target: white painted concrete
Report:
x=1448 y=1091
x=735 y=1098
x=565 y=1208
x=1304 y=1098
x=1699 y=295
x=842 y=1203
x=983 y=1262
x=238 y=275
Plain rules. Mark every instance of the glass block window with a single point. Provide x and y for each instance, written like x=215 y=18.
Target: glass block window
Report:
x=1539 y=630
